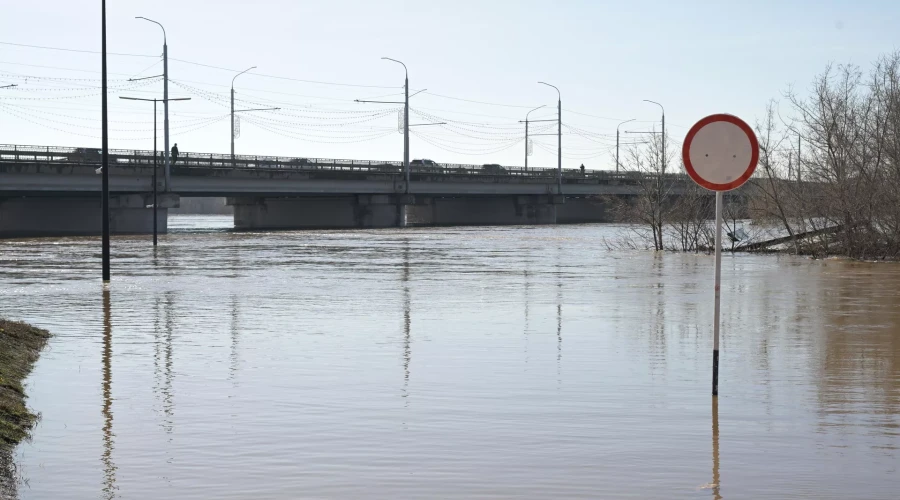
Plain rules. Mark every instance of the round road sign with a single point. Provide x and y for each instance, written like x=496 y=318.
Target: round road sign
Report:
x=720 y=152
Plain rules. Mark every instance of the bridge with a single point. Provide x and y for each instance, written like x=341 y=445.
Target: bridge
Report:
x=55 y=190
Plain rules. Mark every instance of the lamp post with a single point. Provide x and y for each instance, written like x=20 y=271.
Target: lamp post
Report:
x=526 y=132
x=232 y=110
x=559 y=139
x=155 y=168
x=617 y=142
x=663 y=161
x=165 y=98
x=405 y=121
x=104 y=160
x=402 y=206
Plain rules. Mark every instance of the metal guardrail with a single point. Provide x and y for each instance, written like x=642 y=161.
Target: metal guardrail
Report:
x=127 y=157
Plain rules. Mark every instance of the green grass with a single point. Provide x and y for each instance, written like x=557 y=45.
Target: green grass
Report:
x=20 y=346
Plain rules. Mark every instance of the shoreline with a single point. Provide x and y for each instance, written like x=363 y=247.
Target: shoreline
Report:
x=20 y=347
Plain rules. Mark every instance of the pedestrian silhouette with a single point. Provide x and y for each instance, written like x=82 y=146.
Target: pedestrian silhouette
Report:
x=174 y=153
x=582 y=169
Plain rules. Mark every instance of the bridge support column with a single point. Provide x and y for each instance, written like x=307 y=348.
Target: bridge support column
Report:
x=77 y=216
x=488 y=210
x=317 y=212
x=584 y=210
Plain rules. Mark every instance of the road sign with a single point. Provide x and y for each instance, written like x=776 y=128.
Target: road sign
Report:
x=720 y=152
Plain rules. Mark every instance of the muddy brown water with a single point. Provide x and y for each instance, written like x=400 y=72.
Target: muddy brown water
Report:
x=514 y=362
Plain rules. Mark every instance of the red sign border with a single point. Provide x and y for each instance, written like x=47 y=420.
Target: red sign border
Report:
x=686 y=152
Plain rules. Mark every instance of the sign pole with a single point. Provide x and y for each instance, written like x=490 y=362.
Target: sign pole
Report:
x=716 y=309
x=720 y=153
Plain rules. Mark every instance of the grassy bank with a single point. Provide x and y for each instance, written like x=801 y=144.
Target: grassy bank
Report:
x=20 y=346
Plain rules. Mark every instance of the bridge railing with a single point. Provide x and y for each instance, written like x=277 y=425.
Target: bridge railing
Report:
x=190 y=160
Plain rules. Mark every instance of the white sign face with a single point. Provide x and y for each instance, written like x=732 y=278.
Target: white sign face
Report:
x=720 y=152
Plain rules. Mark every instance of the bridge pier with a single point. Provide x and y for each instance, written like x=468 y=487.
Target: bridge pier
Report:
x=77 y=216
x=487 y=210
x=311 y=212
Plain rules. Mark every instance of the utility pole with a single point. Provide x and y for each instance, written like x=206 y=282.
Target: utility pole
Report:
x=155 y=167
x=165 y=98
x=406 y=125
x=558 y=139
x=799 y=160
x=526 y=122
x=405 y=121
x=663 y=159
x=617 y=142
x=232 y=110
x=104 y=161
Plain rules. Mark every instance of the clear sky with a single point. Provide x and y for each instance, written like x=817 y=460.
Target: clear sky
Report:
x=694 y=57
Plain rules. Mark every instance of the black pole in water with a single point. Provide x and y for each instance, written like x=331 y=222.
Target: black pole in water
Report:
x=104 y=204
x=155 y=205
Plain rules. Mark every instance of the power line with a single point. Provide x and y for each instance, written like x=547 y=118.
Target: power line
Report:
x=478 y=102
x=73 y=50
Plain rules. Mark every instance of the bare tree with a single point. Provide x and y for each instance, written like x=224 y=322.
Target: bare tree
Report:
x=650 y=208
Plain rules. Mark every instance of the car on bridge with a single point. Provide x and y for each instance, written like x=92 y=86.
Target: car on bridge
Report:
x=387 y=168
x=493 y=169
x=88 y=154
x=424 y=165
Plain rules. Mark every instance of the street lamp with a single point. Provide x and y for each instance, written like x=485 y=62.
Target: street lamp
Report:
x=405 y=121
x=104 y=161
x=617 y=142
x=165 y=97
x=232 y=110
x=558 y=139
x=663 y=133
x=526 y=132
x=155 y=168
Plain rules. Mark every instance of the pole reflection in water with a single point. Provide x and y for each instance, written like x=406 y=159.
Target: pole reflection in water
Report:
x=558 y=313
x=715 y=449
x=526 y=287
x=407 y=352
x=234 y=339
x=166 y=386
x=109 y=467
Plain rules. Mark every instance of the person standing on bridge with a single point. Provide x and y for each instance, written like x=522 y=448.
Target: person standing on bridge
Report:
x=174 y=153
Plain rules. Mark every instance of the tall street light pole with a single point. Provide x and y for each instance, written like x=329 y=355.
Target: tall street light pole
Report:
x=104 y=161
x=155 y=167
x=405 y=121
x=558 y=139
x=526 y=132
x=232 y=110
x=617 y=142
x=663 y=133
x=165 y=98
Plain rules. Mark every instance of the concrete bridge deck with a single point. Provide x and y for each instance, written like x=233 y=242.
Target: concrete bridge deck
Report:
x=54 y=190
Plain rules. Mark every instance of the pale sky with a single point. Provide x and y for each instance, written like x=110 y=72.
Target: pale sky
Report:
x=694 y=57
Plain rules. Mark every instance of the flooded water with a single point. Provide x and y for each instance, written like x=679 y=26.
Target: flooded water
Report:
x=515 y=362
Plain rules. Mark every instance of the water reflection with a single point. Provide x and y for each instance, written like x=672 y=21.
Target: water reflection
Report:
x=165 y=386
x=813 y=362
x=232 y=369
x=109 y=467
x=716 y=480
x=860 y=367
x=407 y=349
x=558 y=312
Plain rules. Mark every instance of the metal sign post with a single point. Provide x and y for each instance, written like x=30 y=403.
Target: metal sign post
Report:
x=720 y=153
